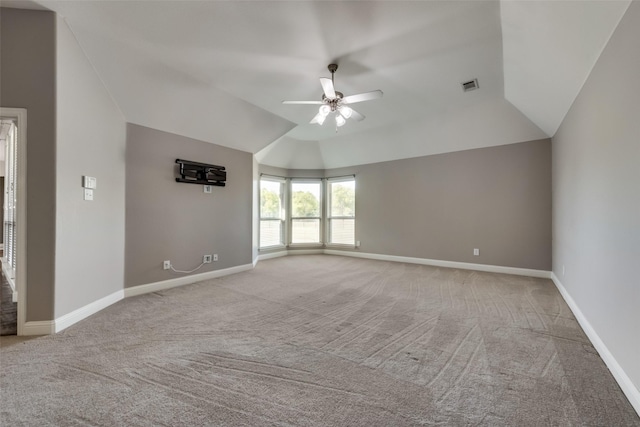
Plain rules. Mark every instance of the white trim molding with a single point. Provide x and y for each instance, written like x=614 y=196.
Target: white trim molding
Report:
x=75 y=316
x=625 y=383
x=39 y=327
x=48 y=327
x=181 y=281
x=287 y=252
x=448 y=264
x=543 y=274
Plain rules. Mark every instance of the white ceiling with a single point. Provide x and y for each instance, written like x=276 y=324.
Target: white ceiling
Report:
x=218 y=70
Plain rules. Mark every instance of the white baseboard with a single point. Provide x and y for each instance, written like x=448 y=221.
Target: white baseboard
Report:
x=306 y=251
x=47 y=327
x=286 y=252
x=448 y=264
x=181 y=281
x=625 y=383
x=63 y=322
x=424 y=261
x=40 y=327
x=270 y=255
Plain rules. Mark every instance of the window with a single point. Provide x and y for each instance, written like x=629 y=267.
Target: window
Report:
x=272 y=213
x=342 y=211
x=305 y=211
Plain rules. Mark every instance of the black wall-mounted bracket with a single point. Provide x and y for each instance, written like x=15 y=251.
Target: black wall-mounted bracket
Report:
x=201 y=173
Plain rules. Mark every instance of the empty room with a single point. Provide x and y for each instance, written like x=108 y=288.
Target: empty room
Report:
x=320 y=213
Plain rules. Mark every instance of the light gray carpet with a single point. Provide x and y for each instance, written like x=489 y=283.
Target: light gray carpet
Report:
x=320 y=341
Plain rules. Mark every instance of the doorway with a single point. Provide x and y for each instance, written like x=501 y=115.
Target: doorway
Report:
x=13 y=140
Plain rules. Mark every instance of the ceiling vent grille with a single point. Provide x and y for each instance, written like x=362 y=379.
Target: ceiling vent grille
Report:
x=470 y=85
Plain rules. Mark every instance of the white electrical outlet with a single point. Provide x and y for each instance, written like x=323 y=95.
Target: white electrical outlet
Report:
x=207 y=188
x=357 y=243
x=88 y=194
x=166 y=265
x=206 y=259
x=476 y=252
x=215 y=257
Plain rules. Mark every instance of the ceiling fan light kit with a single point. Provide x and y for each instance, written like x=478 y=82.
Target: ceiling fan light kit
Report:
x=334 y=102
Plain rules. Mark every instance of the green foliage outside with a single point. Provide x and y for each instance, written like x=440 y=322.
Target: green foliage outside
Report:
x=269 y=204
x=343 y=200
x=304 y=204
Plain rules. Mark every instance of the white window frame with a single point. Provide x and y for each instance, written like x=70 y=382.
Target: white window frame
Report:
x=283 y=213
x=291 y=218
x=329 y=217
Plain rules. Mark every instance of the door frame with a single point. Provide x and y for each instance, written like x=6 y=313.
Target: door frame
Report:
x=20 y=115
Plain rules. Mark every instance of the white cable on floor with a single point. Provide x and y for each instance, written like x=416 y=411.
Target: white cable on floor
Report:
x=190 y=271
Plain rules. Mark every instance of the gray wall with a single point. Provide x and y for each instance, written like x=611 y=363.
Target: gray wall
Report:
x=596 y=196
x=28 y=80
x=497 y=199
x=166 y=220
x=91 y=137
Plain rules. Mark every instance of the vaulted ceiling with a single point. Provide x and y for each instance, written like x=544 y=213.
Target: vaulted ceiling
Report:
x=218 y=70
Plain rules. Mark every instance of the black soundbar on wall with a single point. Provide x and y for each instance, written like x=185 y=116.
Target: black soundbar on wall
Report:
x=201 y=173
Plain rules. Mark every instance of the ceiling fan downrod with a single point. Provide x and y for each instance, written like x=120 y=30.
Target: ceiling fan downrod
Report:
x=333 y=68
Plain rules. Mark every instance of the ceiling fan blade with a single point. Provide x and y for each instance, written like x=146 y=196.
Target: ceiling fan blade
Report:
x=356 y=116
x=303 y=102
x=327 y=87
x=366 y=96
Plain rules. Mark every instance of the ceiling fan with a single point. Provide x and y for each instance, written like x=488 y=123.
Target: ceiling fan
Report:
x=334 y=102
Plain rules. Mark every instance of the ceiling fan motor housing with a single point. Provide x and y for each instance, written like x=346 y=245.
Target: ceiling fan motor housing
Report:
x=335 y=102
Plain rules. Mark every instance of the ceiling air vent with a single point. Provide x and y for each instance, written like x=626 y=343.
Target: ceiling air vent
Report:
x=470 y=85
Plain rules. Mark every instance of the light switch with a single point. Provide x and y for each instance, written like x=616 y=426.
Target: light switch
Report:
x=89 y=182
x=88 y=194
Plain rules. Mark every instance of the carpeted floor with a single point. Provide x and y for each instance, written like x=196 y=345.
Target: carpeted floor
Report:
x=320 y=341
